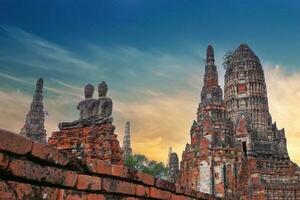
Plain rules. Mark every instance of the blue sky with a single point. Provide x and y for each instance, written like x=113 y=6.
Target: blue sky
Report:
x=149 y=51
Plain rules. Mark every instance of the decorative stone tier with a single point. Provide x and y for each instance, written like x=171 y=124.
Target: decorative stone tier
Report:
x=269 y=179
x=89 y=142
x=30 y=170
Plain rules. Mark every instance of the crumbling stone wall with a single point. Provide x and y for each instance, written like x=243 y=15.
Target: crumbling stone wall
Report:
x=31 y=170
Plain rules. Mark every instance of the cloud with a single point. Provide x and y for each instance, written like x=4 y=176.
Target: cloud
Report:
x=158 y=122
x=45 y=51
x=284 y=95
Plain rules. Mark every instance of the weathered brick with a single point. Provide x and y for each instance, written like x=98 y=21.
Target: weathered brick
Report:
x=119 y=170
x=147 y=179
x=28 y=191
x=94 y=197
x=159 y=194
x=49 y=154
x=98 y=166
x=14 y=143
x=116 y=186
x=33 y=171
x=65 y=194
x=179 y=189
x=142 y=191
x=4 y=160
x=85 y=182
x=6 y=192
x=178 y=197
x=163 y=184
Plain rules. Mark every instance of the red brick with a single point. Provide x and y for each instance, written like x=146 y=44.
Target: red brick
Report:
x=142 y=191
x=179 y=189
x=64 y=194
x=14 y=143
x=119 y=170
x=147 y=179
x=116 y=186
x=98 y=166
x=27 y=191
x=4 y=160
x=159 y=194
x=85 y=182
x=33 y=171
x=6 y=192
x=94 y=197
x=49 y=154
x=163 y=184
x=69 y=178
x=178 y=197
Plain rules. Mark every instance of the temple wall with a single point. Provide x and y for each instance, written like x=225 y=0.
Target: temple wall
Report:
x=205 y=177
x=30 y=170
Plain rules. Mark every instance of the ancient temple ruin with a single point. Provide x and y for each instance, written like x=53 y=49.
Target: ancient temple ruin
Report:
x=34 y=124
x=127 y=141
x=173 y=167
x=236 y=151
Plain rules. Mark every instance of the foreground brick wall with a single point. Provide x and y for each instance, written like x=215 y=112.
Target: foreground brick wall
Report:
x=30 y=170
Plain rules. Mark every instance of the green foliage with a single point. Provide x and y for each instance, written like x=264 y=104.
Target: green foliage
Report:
x=227 y=58
x=141 y=163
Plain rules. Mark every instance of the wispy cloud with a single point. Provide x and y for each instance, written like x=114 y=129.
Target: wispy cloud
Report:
x=46 y=50
x=284 y=94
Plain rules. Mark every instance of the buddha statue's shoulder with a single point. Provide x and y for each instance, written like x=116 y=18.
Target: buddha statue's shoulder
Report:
x=87 y=101
x=105 y=99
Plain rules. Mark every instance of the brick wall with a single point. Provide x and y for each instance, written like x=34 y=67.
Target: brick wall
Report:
x=30 y=170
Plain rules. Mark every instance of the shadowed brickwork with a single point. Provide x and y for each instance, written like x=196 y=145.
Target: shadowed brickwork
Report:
x=31 y=170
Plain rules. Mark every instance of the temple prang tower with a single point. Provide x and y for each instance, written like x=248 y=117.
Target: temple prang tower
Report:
x=236 y=151
x=247 y=105
x=127 y=141
x=34 y=124
x=208 y=161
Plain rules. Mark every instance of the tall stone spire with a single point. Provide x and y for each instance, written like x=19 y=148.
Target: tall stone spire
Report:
x=173 y=167
x=211 y=91
x=34 y=125
x=127 y=141
x=169 y=156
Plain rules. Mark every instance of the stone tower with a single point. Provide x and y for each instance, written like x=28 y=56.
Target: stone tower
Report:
x=34 y=125
x=206 y=159
x=173 y=167
x=127 y=141
x=169 y=156
x=247 y=105
x=245 y=89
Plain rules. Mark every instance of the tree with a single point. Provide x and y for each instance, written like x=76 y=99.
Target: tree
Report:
x=141 y=163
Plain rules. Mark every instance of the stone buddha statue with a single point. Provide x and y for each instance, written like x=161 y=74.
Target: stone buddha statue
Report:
x=92 y=111
x=105 y=105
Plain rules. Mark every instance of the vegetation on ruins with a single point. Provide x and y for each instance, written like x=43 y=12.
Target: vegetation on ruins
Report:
x=141 y=163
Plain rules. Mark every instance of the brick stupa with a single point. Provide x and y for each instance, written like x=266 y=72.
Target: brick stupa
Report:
x=92 y=136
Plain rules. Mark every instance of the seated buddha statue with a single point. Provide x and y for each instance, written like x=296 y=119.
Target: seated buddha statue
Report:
x=105 y=105
x=87 y=108
x=92 y=111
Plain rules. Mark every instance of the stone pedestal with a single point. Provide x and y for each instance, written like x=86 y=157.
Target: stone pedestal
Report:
x=98 y=142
